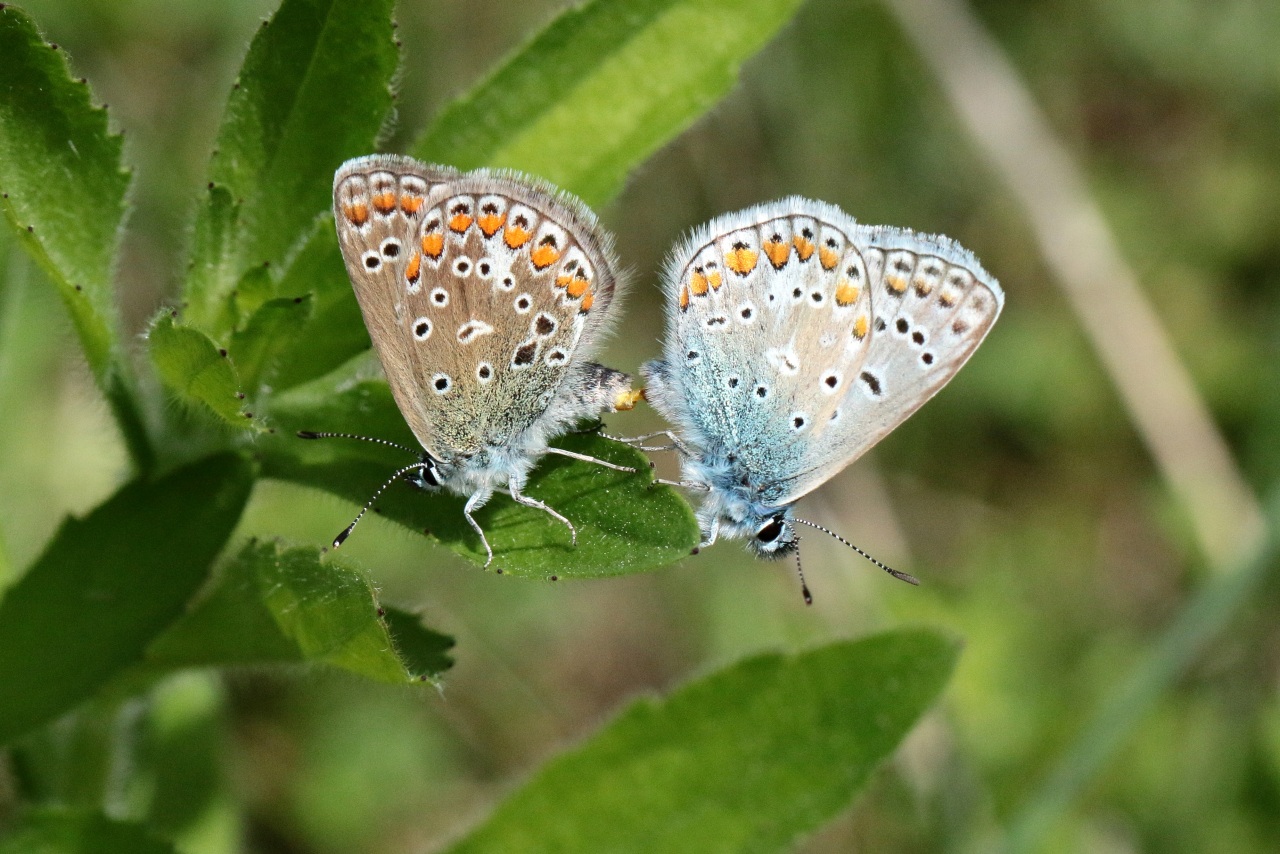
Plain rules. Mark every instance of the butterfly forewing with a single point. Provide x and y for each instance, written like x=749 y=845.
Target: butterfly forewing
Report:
x=494 y=289
x=771 y=323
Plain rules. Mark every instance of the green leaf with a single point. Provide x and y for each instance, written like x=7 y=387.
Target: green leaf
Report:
x=272 y=604
x=59 y=831
x=602 y=87
x=625 y=523
x=196 y=370
x=214 y=264
x=314 y=91
x=749 y=759
x=424 y=652
x=256 y=349
x=336 y=331
x=108 y=584
x=62 y=188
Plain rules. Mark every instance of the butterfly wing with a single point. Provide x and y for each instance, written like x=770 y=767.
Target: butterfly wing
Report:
x=483 y=296
x=797 y=338
x=932 y=304
x=769 y=321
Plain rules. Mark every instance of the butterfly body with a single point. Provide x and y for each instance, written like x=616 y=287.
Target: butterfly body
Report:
x=485 y=295
x=797 y=338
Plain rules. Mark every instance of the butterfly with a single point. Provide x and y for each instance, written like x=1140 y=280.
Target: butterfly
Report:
x=796 y=340
x=485 y=295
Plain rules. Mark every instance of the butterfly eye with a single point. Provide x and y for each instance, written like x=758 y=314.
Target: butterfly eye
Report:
x=771 y=530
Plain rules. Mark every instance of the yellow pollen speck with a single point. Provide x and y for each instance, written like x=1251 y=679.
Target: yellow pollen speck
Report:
x=490 y=223
x=860 y=327
x=698 y=284
x=515 y=236
x=846 y=293
x=544 y=256
x=778 y=253
x=433 y=244
x=741 y=260
x=627 y=400
x=385 y=203
x=459 y=223
x=829 y=258
x=804 y=248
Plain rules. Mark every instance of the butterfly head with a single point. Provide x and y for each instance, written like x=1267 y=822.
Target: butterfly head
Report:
x=427 y=475
x=775 y=536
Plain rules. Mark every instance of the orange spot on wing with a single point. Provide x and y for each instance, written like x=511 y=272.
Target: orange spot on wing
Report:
x=410 y=204
x=544 y=256
x=846 y=293
x=490 y=223
x=740 y=259
x=357 y=214
x=897 y=284
x=698 y=283
x=923 y=286
x=778 y=252
x=684 y=298
x=415 y=266
x=947 y=299
x=515 y=236
x=715 y=281
x=860 y=327
x=459 y=223
x=586 y=303
x=563 y=280
x=829 y=258
x=384 y=203
x=804 y=248
x=433 y=244
x=577 y=288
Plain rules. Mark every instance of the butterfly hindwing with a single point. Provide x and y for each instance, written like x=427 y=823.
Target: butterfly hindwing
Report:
x=932 y=305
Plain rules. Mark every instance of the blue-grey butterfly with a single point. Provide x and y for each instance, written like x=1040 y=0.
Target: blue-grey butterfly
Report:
x=796 y=340
x=485 y=295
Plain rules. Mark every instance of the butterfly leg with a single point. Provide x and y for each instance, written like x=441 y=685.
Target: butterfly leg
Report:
x=711 y=534
x=638 y=442
x=530 y=501
x=683 y=484
x=475 y=502
x=589 y=459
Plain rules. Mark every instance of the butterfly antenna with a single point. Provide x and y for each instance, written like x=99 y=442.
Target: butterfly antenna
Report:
x=346 y=532
x=901 y=576
x=804 y=588
x=309 y=434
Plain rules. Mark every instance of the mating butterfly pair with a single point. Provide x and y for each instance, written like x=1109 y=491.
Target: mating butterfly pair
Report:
x=797 y=338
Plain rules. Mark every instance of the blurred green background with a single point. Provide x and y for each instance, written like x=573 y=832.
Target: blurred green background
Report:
x=1022 y=496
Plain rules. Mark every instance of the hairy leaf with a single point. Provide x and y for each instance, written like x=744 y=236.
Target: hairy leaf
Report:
x=275 y=604
x=314 y=91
